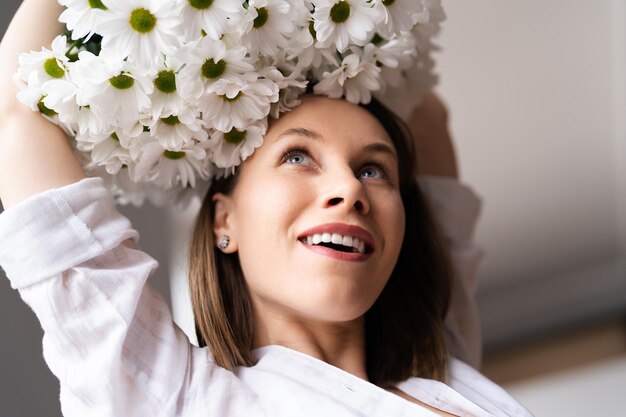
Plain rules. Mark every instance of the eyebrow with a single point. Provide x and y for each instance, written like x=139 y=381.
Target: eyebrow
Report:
x=378 y=147
x=300 y=131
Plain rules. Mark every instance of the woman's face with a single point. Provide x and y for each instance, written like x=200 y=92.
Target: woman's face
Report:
x=327 y=169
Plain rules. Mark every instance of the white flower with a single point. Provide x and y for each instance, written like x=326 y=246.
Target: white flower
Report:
x=395 y=55
x=238 y=102
x=30 y=92
x=398 y=52
x=268 y=25
x=209 y=16
x=142 y=30
x=60 y=96
x=82 y=17
x=166 y=98
x=166 y=169
x=231 y=148
x=181 y=89
x=106 y=151
x=399 y=15
x=48 y=64
x=303 y=48
x=209 y=61
x=111 y=87
x=428 y=23
x=123 y=188
x=356 y=78
x=344 y=22
x=291 y=87
x=176 y=130
x=35 y=70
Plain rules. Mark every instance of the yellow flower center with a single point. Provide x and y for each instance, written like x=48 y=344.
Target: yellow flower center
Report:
x=96 y=4
x=45 y=110
x=200 y=4
x=261 y=18
x=122 y=82
x=340 y=12
x=165 y=81
x=142 y=20
x=170 y=120
x=173 y=154
x=212 y=69
x=235 y=136
x=53 y=68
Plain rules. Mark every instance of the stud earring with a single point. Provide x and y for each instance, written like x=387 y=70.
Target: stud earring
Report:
x=224 y=241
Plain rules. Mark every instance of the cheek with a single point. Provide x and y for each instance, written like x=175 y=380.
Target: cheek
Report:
x=264 y=216
x=390 y=211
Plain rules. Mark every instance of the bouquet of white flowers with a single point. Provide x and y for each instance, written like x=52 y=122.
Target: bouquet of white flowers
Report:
x=160 y=96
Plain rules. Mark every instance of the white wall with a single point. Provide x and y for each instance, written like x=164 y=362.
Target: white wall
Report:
x=536 y=95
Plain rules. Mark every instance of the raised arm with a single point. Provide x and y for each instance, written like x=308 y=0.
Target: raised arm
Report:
x=35 y=154
x=457 y=209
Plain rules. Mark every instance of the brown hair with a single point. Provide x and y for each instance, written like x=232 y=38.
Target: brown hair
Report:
x=404 y=327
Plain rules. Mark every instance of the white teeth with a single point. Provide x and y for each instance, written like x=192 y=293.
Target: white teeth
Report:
x=337 y=239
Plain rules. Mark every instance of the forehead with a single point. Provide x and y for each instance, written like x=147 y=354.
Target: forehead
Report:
x=330 y=118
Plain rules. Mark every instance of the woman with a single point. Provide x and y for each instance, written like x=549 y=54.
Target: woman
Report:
x=302 y=342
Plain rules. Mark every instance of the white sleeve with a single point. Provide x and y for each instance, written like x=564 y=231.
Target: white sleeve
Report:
x=457 y=209
x=108 y=338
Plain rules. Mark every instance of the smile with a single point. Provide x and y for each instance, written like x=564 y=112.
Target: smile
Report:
x=336 y=242
x=340 y=241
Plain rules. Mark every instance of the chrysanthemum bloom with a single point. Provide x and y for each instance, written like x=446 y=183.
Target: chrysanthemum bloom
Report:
x=396 y=56
x=60 y=96
x=111 y=87
x=399 y=15
x=105 y=150
x=344 y=22
x=238 y=102
x=48 y=64
x=210 y=17
x=268 y=24
x=176 y=130
x=307 y=54
x=356 y=78
x=208 y=61
x=38 y=67
x=166 y=168
x=82 y=17
x=172 y=70
x=166 y=97
x=230 y=148
x=142 y=30
x=290 y=80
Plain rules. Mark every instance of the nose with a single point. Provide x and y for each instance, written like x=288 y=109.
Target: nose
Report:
x=346 y=191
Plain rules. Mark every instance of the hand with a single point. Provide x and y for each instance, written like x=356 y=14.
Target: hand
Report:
x=434 y=150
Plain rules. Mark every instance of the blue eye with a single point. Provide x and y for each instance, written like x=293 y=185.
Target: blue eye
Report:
x=296 y=157
x=372 y=171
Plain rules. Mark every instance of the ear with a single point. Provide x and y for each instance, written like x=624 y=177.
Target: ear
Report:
x=224 y=221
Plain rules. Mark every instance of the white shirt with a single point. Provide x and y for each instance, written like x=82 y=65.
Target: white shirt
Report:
x=111 y=341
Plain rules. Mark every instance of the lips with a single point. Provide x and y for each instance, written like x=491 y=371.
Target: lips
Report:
x=339 y=240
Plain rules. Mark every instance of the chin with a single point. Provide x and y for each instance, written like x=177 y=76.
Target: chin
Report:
x=334 y=310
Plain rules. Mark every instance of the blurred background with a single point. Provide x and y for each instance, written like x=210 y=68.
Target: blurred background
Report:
x=536 y=92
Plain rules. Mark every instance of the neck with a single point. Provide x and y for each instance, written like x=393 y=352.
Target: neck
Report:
x=341 y=344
